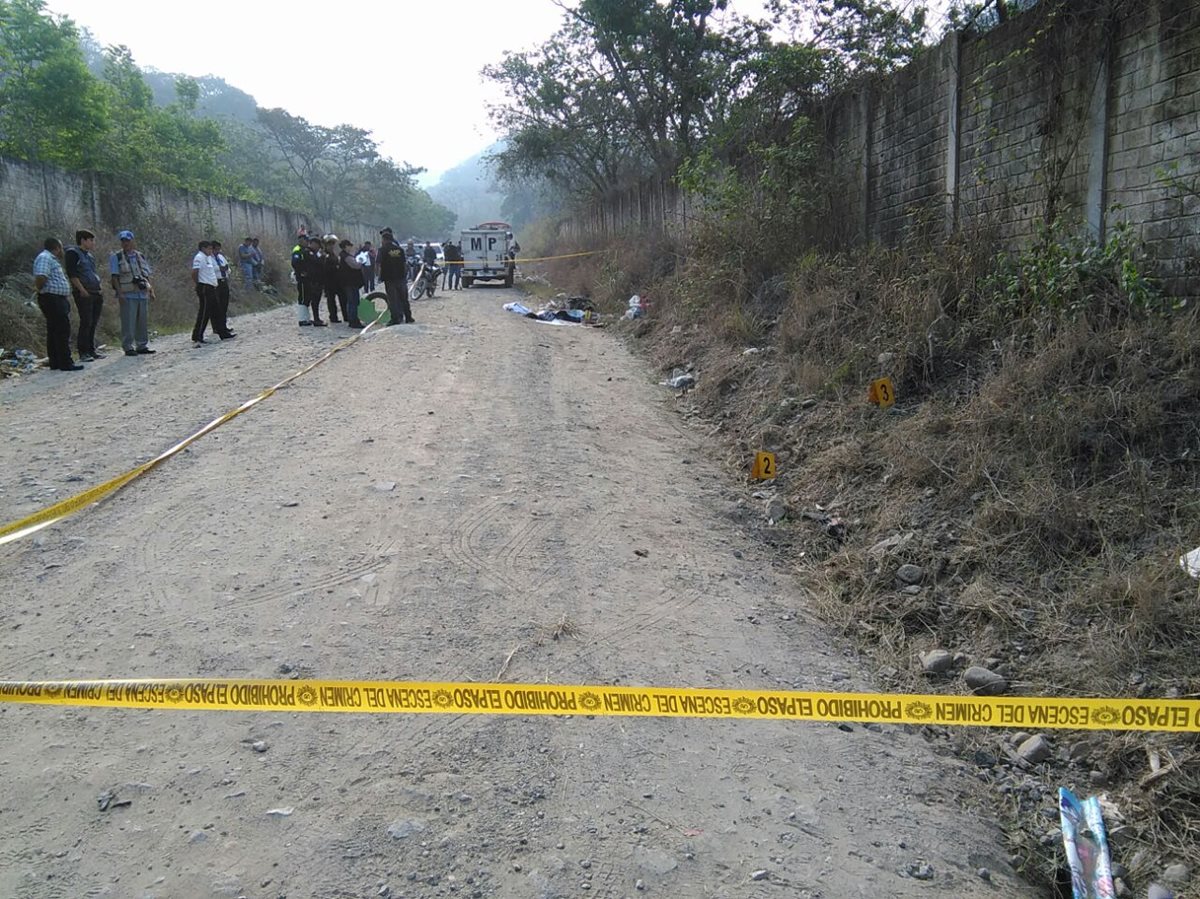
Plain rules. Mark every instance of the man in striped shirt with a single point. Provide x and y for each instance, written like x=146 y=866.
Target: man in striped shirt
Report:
x=53 y=292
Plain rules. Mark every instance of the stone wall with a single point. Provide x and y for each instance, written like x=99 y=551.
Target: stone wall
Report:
x=38 y=200
x=1086 y=112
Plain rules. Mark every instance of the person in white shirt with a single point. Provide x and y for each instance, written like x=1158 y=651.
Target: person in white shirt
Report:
x=204 y=276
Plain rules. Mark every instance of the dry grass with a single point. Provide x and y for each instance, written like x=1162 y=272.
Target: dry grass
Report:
x=1045 y=466
x=169 y=246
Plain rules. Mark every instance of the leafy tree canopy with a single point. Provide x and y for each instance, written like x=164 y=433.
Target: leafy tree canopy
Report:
x=68 y=102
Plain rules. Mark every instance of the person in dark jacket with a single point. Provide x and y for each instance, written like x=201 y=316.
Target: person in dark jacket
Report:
x=350 y=278
x=80 y=265
x=314 y=279
x=393 y=272
x=331 y=279
x=299 y=272
x=454 y=264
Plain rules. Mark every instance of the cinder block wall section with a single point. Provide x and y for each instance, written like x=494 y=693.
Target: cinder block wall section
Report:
x=1154 y=130
x=38 y=200
x=909 y=136
x=1082 y=112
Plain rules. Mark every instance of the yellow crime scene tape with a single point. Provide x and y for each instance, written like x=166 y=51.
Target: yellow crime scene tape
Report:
x=60 y=510
x=415 y=697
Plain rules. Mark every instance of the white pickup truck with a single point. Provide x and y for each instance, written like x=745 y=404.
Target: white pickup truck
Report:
x=488 y=251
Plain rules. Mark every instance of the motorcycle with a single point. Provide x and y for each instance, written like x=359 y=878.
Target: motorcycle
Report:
x=426 y=281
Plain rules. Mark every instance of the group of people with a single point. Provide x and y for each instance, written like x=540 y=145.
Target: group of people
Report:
x=210 y=275
x=61 y=273
x=250 y=261
x=337 y=270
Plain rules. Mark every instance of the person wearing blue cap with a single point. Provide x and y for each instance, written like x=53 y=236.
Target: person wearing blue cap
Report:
x=131 y=282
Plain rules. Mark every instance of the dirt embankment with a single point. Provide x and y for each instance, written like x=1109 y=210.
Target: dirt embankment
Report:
x=1022 y=508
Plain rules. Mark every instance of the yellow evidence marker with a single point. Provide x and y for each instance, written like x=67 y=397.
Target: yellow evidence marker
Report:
x=882 y=393
x=764 y=467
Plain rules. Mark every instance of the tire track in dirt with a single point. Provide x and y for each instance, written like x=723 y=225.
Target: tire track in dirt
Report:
x=511 y=539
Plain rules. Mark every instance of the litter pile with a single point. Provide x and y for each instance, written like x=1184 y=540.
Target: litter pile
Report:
x=559 y=311
x=17 y=362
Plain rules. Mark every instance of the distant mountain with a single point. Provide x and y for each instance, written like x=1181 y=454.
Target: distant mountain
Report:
x=471 y=191
x=218 y=98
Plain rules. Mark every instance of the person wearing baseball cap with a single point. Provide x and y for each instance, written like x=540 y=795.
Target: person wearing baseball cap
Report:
x=131 y=282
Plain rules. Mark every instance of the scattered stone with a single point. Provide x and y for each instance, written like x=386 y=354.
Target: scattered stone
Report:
x=654 y=861
x=1020 y=737
x=259 y=745
x=1158 y=891
x=777 y=510
x=984 y=682
x=1119 y=870
x=808 y=403
x=198 y=836
x=639 y=885
x=912 y=590
x=384 y=891
x=384 y=486
x=1121 y=888
x=281 y=812
x=985 y=759
x=984 y=874
x=1078 y=752
x=936 y=661
x=891 y=544
x=760 y=874
x=291 y=504
x=517 y=867
x=1178 y=873
x=911 y=574
x=886 y=358
x=919 y=870
x=1035 y=750
x=402 y=829
x=108 y=800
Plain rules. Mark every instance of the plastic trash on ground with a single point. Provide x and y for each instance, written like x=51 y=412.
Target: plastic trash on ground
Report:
x=1191 y=562
x=1086 y=843
x=637 y=307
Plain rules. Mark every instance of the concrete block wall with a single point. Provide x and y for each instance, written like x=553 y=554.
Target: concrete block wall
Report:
x=910 y=130
x=845 y=217
x=38 y=200
x=1154 y=131
x=1077 y=111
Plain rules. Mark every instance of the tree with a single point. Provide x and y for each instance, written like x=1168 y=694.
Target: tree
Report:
x=51 y=109
x=625 y=89
x=343 y=175
x=857 y=37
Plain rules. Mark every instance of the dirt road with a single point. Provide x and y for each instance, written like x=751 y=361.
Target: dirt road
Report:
x=419 y=507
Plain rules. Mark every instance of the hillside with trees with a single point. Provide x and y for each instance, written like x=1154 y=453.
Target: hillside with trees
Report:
x=67 y=102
